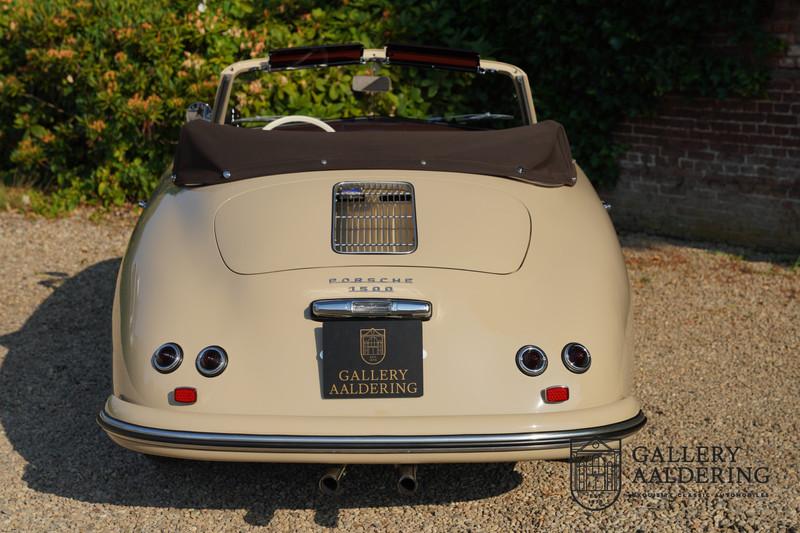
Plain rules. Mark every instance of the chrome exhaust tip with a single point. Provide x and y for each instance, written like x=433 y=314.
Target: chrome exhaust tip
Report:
x=407 y=483
x=331 y=481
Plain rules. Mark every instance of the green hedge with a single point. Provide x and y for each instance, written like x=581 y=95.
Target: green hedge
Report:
x=92 y=94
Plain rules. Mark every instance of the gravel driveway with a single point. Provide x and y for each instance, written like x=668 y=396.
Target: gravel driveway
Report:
x=717 y=340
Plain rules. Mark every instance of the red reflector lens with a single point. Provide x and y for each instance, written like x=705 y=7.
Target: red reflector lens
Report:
x=556 y=394
x=185 y=395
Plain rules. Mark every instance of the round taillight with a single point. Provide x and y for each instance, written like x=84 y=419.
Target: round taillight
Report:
x=576 y=357
x=211 y=361
x=167 y=357
x=531 y=360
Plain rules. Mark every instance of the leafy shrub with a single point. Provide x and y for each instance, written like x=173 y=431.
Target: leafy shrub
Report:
x=92 y=94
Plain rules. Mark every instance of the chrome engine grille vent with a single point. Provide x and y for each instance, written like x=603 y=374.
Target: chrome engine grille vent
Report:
x=374 y=218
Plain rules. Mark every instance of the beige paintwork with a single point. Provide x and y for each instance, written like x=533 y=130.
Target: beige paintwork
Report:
x=237 y=265
x=483 y=214
x=174 y=286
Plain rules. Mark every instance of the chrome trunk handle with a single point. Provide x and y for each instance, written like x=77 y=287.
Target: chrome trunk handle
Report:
x=371 y=308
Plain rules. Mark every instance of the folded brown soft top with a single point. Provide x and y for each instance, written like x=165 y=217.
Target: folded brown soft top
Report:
x=212 y=153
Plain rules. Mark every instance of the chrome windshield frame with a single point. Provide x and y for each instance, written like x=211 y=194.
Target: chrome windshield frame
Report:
x=231 y=72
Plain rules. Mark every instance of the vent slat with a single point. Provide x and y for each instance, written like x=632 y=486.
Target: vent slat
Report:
x=374 y=218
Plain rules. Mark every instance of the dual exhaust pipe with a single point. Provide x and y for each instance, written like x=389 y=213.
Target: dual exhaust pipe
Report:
x=407 y=484
x=331 y=481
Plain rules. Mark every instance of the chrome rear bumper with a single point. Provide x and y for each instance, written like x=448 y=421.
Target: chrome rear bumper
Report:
x=369 y=444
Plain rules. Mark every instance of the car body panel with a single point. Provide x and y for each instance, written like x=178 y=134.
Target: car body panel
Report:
x=488 y=232
x=572 y=287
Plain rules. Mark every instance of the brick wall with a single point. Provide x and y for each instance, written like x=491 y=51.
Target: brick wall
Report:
x=720 y=170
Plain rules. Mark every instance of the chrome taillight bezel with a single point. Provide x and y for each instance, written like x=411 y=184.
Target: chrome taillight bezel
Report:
x=533 y=372
x=570 y=366
x=217 y=371
x=175 y=364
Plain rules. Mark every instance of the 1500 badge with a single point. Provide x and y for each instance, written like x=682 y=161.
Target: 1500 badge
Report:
x=370 y=284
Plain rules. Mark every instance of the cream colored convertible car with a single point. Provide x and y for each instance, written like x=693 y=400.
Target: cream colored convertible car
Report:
x=419 y=274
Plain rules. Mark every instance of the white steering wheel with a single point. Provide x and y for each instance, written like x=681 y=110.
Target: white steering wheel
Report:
x=293 y=119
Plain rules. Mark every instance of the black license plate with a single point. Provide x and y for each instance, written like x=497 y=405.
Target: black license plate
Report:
x=372 y=359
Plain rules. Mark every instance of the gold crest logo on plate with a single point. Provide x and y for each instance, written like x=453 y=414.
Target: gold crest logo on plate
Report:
x=373 y=345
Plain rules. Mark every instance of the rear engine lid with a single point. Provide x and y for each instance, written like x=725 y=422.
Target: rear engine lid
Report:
x=394 y=220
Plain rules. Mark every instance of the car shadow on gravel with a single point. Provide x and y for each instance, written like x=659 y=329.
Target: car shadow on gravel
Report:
x=646 y=241
x=56 y=376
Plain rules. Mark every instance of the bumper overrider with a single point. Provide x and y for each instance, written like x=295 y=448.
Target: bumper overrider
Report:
x=365 y=444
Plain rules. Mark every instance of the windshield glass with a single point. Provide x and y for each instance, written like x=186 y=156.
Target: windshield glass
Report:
x=422 y=95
